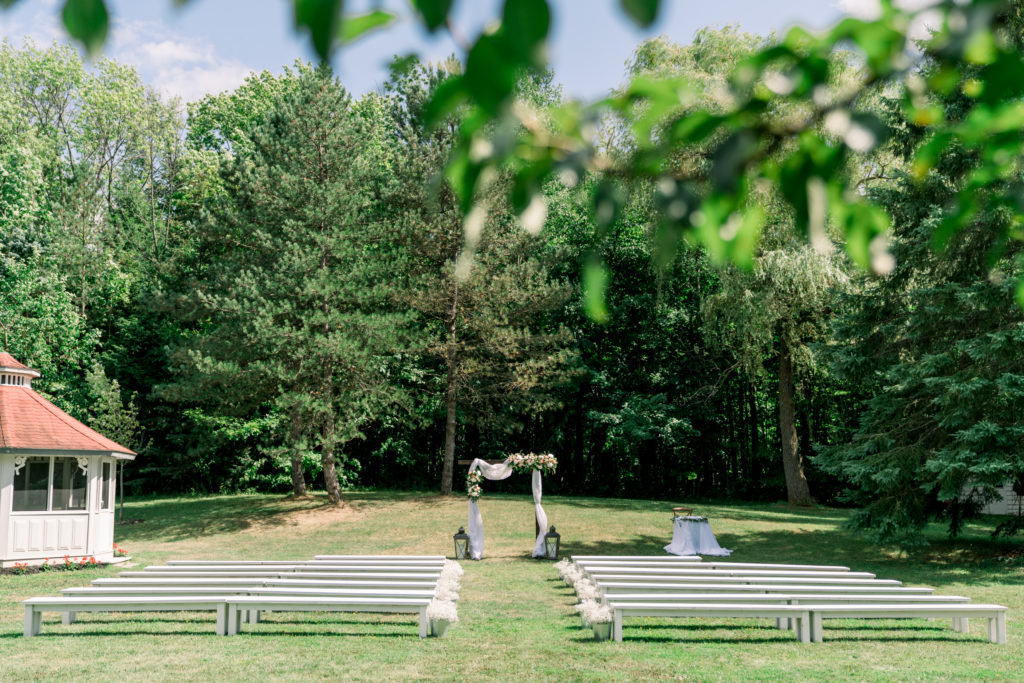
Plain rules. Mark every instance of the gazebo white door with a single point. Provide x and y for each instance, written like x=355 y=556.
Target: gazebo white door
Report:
x=101 y=528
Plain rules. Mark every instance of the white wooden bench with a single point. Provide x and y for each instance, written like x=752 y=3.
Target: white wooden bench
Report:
x=375 y=557
x=786 y=598
x=228 y=583
x=652 y=558
x=714 y=565
x=272 y=574
x=228 y=568
x=600 y=570
x=627 y=587
x=279 y=563
x=236 y=605
x=745 y=610
x=995 y=614
x=34 y=607
x=837 y=580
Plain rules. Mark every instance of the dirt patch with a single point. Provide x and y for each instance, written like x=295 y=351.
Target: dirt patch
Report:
x=309 y=518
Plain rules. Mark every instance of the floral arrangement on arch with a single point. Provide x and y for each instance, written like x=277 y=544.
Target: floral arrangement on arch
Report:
x=519 y=462
x=473 y=481
x=526 y=462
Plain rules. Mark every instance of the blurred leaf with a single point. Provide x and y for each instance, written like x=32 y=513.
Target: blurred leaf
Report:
x=357 y=25
x=525 y=25
x=490 y=77
x=1020 y=293
x=861 y=223
x=643 y=12
x=321 y=18
x=447 y=97
x=87 y=21
x=595 y=289
x=608 y=201
x=434 y=12
x=729 y=159
x=749 y=234
x=400 y=66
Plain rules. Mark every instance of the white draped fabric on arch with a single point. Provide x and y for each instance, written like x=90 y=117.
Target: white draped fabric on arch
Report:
x=475 y=527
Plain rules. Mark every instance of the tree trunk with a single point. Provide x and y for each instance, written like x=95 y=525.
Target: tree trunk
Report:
x=797 y=490
x=327 y=460
x=298 y=473
x=450 y=397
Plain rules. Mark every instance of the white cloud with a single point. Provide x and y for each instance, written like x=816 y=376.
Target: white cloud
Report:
x=176 y=65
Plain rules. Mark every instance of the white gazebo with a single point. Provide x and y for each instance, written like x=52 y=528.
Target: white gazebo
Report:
x=57 y=477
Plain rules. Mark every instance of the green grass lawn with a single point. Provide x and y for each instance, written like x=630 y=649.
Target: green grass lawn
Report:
x=516 y=617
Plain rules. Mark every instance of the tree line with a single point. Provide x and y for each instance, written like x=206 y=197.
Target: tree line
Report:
x=277 y=287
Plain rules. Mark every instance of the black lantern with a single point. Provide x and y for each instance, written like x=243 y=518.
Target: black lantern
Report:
x=552 y=542
x=461 y=544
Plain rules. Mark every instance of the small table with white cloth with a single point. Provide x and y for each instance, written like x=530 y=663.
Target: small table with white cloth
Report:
x=692 y=535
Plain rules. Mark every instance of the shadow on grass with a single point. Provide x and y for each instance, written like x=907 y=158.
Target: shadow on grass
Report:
x=766 y=513
x=183 y=518
x=305 y=633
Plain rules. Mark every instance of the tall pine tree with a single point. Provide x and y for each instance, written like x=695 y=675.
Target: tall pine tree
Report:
x=290 y=310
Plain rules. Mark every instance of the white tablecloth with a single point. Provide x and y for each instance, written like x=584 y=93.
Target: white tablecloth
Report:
x=693 y=536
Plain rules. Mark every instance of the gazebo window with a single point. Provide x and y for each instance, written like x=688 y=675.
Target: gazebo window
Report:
x=42 y=484
x=105 y=487
x=68 y=485
x=32 y=485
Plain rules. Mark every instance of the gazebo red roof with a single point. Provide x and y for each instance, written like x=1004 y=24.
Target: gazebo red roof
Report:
x=30 y=422
x=8 y=361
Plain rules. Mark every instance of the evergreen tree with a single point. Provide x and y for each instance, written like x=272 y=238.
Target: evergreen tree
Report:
x=290 y=309
x=483 y=304
x=937 y=342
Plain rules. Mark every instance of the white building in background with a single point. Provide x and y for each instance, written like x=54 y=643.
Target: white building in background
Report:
x=57 y=477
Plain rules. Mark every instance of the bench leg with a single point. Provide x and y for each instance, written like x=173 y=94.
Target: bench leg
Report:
x=965 y=625
x=222 y=620
x=68 y=617
x=817 y=628
x=424 y=623
x=617 y=627
x=997 y=628
x=33 y=621
x=254 y=616
x=233 y=618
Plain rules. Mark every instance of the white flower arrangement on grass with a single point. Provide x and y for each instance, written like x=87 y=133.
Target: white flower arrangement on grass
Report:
x=447 y=591
x=586 y=590
x=453 y=569
x=572 y=574
x=597 y=614
x=584 y=606
x=443 y=610
x=561 y=566
x=452 y=582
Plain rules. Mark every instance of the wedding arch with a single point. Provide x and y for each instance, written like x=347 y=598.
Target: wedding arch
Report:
x=517 y=462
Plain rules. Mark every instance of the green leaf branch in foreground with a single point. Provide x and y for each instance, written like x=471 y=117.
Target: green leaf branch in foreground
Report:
x=803 y=154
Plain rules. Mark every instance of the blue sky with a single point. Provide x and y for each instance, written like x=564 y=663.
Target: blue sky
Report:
x=210 y=45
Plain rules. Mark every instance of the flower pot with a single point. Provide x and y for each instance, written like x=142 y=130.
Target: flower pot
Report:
x=439 y=627
x=583 y=622
x=602 y=630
